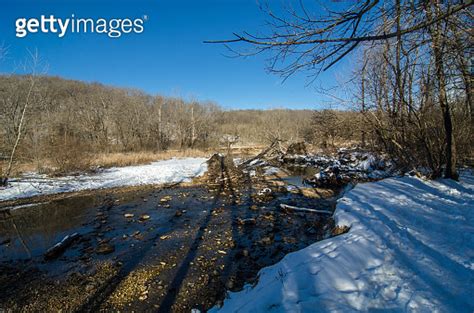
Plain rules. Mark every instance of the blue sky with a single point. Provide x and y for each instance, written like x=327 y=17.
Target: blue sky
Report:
x=169 y=57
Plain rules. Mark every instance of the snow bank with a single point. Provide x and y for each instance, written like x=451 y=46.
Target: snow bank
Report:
x=168 y=171
x=410 y=249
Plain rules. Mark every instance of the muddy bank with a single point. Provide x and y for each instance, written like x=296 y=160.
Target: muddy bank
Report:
x=156 y=249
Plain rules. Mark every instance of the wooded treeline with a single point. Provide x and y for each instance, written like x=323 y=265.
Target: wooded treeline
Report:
x=67 y=122
x=414 y=83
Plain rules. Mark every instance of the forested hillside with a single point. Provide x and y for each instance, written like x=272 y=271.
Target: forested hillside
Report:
x=68 y=121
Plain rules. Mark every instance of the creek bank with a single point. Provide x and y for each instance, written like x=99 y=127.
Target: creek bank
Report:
x=156 y=249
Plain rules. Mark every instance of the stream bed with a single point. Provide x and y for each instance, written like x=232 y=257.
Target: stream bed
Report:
x=156 y=249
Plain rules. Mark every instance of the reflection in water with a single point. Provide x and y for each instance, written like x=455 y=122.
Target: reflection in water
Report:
x=296 y=181
x=298 y=175
x=33 y=230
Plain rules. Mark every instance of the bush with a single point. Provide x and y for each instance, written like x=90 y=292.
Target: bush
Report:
x=69 y=155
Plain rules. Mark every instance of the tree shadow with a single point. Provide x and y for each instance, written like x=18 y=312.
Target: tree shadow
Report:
x=174 y=287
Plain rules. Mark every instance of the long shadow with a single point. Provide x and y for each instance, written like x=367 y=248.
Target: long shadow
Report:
x=108 y=288
x=175 y=285
x=226 y=273
x=442 y=261
x=228 y=269
x=425 y=188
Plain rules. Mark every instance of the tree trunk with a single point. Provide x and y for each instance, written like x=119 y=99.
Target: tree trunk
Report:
x=160 y=136
x=363 y=139
x=193 y=127
x=4 y=179
x=437 y=44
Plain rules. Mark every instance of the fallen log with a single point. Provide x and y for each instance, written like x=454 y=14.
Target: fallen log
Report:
x=260 y=155
x=287 y=207
x=56 y=250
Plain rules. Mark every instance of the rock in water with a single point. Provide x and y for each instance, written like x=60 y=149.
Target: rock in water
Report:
x=105 y=248
x=144 y=217
x=165 y=199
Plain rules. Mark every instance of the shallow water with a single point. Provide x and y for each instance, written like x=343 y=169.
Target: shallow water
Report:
x=296 y=181
x=203 y=242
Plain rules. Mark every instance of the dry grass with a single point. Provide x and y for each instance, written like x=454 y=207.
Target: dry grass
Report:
x=18 y=168
x=119 y=159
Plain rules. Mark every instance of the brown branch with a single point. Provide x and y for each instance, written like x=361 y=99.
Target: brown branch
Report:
x=401 y=32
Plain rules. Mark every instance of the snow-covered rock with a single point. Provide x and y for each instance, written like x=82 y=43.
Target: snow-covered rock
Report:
x=348 y=165
x=161 y=172
x=410 y=248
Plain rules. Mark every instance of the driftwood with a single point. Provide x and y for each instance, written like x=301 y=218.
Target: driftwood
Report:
x=56 y=250
x=260 y=155
x=290 y=208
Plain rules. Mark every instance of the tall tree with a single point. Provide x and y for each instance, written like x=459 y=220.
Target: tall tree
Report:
x=308 y=39
x=32 y=65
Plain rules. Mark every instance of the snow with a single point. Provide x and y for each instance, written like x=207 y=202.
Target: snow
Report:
x=347 y=165
x=271 y=170
x=410 y=248
x=160 y=172
x=368 y=164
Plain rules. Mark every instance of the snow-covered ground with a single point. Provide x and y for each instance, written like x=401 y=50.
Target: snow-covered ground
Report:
x=168 y=171
x=410 y=248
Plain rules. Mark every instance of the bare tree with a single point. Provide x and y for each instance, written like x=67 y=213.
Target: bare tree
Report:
x=32 y=65
x=311 y=40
